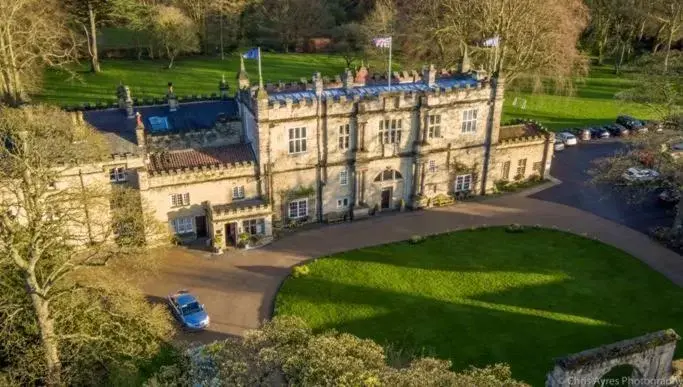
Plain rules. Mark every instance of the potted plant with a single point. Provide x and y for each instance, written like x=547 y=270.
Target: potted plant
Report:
x=243 y=240
x=218 y=244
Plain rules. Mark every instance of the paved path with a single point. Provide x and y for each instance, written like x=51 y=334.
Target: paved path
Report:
x=239 y=288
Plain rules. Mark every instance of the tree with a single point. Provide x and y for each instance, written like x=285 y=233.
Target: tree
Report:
x=289 y=23
x=285 y=350
x=198 y=11
x=88 y=15
x=175 y=32
x=535 y=38
x=230 y=10
x=33 y=34
x=64 y=307
x=349 y=41
x=659 y=91
x=669 y=13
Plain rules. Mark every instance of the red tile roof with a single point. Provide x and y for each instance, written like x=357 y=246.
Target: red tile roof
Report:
x=188 y=158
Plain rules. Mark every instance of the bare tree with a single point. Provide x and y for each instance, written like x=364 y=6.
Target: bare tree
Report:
x=531 y=38
x=33 y=34
x=228 y=10
x=56 y=233
x=669 y=14
x=175 y=32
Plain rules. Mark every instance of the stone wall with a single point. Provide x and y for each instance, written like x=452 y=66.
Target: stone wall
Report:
x=649 y=355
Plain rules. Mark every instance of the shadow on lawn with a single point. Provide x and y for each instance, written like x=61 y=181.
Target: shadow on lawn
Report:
x=525 y=325
x=465 y=334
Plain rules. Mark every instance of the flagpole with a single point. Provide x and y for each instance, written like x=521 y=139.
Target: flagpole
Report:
x=260 y=74
x=391 y=43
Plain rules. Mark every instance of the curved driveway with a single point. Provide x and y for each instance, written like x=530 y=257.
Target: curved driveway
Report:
x=238 y=288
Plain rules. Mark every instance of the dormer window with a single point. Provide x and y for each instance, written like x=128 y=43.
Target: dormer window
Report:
x=159 y=124
x=117 y=175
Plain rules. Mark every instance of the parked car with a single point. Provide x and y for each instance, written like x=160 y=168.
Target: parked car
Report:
x=629 y=122
x=617 y=130
x=567 y=138
x=669 y=197
x=598 y=132
x=634 y=174
x=187 y=309
x=559 y=146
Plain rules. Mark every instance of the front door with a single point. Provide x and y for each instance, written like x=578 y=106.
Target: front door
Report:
x=231 y=233
x=386 y=198
x=200 y=222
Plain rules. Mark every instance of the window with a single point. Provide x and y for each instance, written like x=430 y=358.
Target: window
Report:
x=432 y=166
x=469 y=121
x=179 y=200
x=342 y=203
x=536 y=167
x=182 y=225
x=434 y=126
x=254 y=226
x=344 y=177
x=463 y=183
x=238 y=192
x=388 y=175
x=505 y=175
x=298 y=208
x=297 y=140
x=344 y=137
x=117 y=174
x=390 y=131
x=521 y=167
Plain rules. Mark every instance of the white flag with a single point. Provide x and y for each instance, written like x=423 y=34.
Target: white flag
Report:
x=491 y=42
x=382 y=42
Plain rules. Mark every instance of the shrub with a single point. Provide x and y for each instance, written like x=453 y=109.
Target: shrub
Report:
x=300 y=271
x=415 y=239
x=286 y=352
x=515 y=228
x=175 y=240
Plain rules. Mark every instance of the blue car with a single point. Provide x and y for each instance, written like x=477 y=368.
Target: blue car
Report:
x=187 y=309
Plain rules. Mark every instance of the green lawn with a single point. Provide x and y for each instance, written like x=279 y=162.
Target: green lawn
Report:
x=485 y=296
x=198 y=75
x=593 y=103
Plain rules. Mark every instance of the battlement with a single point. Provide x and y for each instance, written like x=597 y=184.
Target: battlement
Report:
x=239 y=209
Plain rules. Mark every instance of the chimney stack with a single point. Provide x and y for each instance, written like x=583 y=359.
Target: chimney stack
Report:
x=429 y=75
x=140 y=130
x=361 y=75
x=172 y=98
x=318 y=84
x=347 y=79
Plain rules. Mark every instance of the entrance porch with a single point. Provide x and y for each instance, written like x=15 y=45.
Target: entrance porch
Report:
x=241 y=224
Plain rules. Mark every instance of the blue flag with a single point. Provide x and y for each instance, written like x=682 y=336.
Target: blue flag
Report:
x=251 y=54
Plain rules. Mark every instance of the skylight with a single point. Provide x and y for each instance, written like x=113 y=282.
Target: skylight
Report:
x=159 y=124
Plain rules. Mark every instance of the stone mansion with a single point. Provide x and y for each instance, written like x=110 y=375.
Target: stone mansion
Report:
x=316 y=150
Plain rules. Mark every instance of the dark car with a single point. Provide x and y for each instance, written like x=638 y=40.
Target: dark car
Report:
x=617 y=130
x=598 y=132
x=631 y=123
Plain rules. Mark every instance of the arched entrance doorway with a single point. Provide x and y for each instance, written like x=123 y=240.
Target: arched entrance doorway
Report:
x=386 y=179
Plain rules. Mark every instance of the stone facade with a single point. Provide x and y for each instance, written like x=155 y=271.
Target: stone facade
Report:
x=320 y=149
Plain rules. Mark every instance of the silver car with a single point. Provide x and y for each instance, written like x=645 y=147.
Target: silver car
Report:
x=187 y=309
